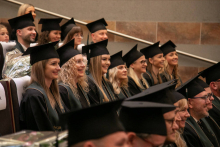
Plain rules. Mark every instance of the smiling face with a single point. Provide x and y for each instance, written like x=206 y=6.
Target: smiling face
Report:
x=121 y=72
x=139 y=66
x=157 y=60
x=105 y=63
x=80 y=65
x=99 y=35
x=52 y=68
x=31 y=10
x=27 y=34
x=54 y=35
x=172 y=58
x=208 y=90
x=183 y=112
x=4 y=34
x=78 y=38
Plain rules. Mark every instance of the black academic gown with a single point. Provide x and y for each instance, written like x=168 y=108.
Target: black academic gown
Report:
x=149 y=78
x=36 y=114
x=215 y=111
x=108 y=89
x=133 y=87
x=19 y=47
x=124 y=93
x=165 y=77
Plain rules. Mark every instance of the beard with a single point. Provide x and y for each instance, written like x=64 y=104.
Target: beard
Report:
x=28 y=38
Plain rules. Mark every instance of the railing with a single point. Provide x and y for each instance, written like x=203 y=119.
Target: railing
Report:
x=116 y=33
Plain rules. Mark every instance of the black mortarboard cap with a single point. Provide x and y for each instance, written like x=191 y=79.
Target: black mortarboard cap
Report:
x=116 y=60
x=49 y=24
x=96 y=49
x=160 y=93
x=144 y=117
x=212 y=73
x=151 y=50
x=202 y=83
x=67 y=27
x=132 y=56
x=97 y=25
x=93 y=122
x=190 y=88
x=168 y=47
x=42 y=52
x=178 y=96
x=66 y=52
x=22 y=21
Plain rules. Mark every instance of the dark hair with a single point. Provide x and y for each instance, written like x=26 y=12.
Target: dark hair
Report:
x=43 y=38
x=74 y=30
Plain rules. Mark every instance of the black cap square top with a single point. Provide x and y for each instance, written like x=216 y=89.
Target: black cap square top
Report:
x=67 y=51
x=168 y=47
x=132 y=56
x=116 y=60
x=151 y=50
x=21 y=22
x=49 y=24
x=42 y=52
x=97 y=25
x=67 y=27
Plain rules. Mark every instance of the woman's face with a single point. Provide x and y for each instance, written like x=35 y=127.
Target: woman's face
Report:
x=52 y=68
x=31 y=10
x=80 y=65
x=122 y=72
x=105 y=63
x=54 y=35
x=4 y=35
x=158 y=60
x=172 y=58
x=139 y=66
x=78 y=38
x=184 y=114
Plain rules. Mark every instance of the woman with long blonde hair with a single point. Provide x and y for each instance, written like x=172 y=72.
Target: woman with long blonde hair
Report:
x=118 y=76
x=25 y=9
x=170 y=69
x=155 y=61
x=99 y=62
x=41 y=103
x=136 y=64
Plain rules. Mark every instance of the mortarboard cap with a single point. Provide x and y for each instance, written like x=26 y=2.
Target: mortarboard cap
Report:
x=67 y=27
x=151 y=50
x=168 y=47
x=21 y=22
x=49 y=24
x=116 y=60
x=178 y=96
x=42 y=52
x=202 y=83
x=132 y=56
x=97 y=25
x=93 y=122
x=144 y=117
x=212 y=73
x=67 y=51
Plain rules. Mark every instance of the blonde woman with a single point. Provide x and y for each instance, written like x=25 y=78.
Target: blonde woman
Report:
x=4 y=33
x=155 y=61
x=136 y=64
x=170 y=69
x=99 y=62
x=25 y=9
x=118 y=76
x=41 y=103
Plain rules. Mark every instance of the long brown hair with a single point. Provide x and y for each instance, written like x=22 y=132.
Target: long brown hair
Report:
x=43 y=38
x=74 y=30
x=155 y=77
x=38 y=76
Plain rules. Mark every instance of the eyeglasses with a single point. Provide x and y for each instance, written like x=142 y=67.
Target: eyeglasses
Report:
x=78 y=36
x=205 y=97
x=80 y=62
x=143 y=61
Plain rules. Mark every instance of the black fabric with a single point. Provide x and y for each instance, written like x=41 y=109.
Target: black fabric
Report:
x=97 y=25
x=22 y=21
x=66 y=28
x=215 y=111
x=132 y=56
x=116 y=60
x=67 y=51
x=144 y=117
x=49 y=24
x=42 y=52
x=84 y=125
x=215 y=127
x=2 y=59
x=151 y=50
x=133 y=87
x=19 y=46
x=168 y=47
x=202 y=83
x=178 y=96
x=148 y=77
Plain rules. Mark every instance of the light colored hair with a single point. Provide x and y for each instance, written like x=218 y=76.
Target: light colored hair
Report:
x=67 y=75
x=149 y=68
x=72 y=32
x=133 y=75
x=22 y=9
x=38 y=76
x=114 y=80
x=95 y=69
x=43 y=38
x=2 y=26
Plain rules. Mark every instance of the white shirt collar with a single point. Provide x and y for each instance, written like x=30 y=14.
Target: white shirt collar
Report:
x=24 y=47
x=195 y=119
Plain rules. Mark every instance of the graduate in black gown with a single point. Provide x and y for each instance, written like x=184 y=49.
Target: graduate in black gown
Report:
x=41 y=102
x=155 y=61
x=117 y=75
x=99 y=62
x=136 y=64
x=170 y=69
x=73 y=82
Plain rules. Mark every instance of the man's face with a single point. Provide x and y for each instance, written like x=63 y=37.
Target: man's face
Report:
x=211 y=98
x=118 y=139
x=28 y=34
x=215 y=87
x=99 y=35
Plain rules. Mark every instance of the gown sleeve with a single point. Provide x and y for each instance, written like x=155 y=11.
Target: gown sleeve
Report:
x=94 y=93
x=64 y=96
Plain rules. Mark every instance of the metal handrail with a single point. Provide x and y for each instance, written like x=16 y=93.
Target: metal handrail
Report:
x=116 y=33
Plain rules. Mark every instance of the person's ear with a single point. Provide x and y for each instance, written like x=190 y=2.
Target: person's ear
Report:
x=132 y=65
x=190 y=103
x=93 y=35
x=131 y=137
x=18 y=32
x=213 y=86
x=151 y=60
x=89 y=144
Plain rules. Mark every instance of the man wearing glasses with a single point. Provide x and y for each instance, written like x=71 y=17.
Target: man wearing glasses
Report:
x=195 y=133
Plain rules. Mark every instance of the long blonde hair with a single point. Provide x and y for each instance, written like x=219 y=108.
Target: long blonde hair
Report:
x=67 y=75
x=38 y=76
x=115 y=81
x=22 y=9
x=133 y=75
x=149 y=68
x=95 y=69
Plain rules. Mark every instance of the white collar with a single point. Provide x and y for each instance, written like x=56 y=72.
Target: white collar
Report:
x=195 y=119
x=24 y=47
